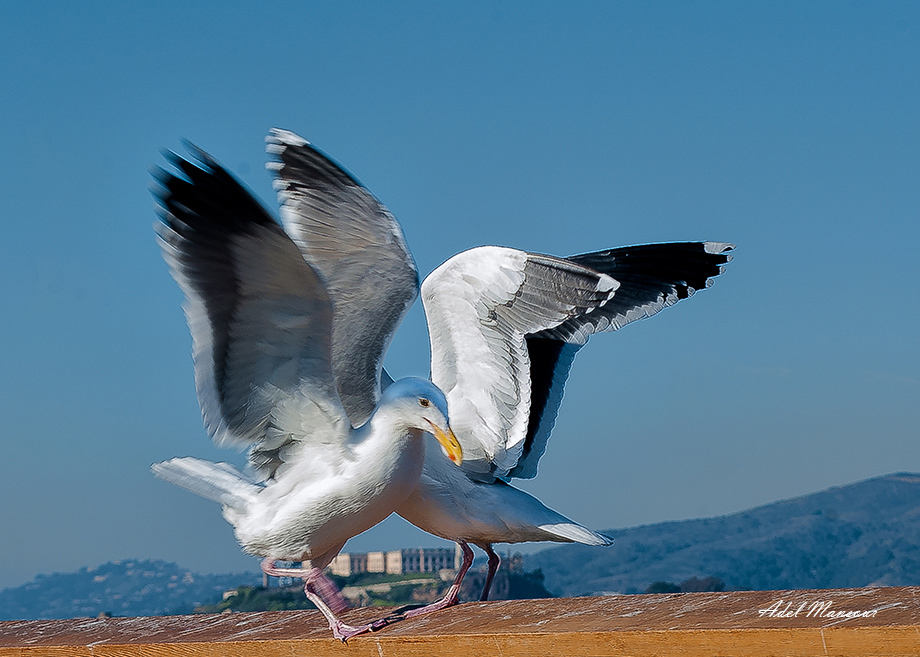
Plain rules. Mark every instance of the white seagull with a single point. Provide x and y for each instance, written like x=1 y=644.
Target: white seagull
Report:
x=503 y=332
x=261 y=321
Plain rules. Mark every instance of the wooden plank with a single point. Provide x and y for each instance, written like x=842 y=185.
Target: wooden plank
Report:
x=871 y=621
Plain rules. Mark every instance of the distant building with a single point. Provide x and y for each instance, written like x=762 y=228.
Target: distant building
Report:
x=349 y=563
x=396 y=562
x=376 y=562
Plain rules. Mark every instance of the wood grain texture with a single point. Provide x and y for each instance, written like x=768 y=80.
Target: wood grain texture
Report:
x=729 y=623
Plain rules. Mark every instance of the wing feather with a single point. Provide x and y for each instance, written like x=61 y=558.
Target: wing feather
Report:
x=651 y=277
x=259 y=315
x=480 y=305
x=358 y=248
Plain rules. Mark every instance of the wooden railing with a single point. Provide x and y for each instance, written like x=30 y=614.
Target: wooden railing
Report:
x=870 y=621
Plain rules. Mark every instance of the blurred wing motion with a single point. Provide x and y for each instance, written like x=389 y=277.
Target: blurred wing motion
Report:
x=358 y=248
x=259 y=315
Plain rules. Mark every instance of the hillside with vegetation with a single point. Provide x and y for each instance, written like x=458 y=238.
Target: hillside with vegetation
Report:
x=862 y=534
x=121 y=588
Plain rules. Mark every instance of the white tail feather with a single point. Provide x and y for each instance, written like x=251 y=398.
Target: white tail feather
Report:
x=220 y=482
x=576 y=533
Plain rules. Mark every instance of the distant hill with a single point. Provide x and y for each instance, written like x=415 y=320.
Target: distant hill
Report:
x=862 y=534
x=122 y=588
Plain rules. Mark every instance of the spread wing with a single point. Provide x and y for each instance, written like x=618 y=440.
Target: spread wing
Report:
x=651 y=277
x=259 y=315
x=480 y=305
x=358 y=248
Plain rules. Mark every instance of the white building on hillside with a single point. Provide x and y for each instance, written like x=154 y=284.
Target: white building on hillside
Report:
x=397 y=562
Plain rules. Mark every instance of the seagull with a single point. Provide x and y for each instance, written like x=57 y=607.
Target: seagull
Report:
x=261 y=320
x=503 y=332
x=476 y=504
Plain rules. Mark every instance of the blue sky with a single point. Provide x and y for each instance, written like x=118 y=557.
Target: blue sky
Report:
x=790 y=129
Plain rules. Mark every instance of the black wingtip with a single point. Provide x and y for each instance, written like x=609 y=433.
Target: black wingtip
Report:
x=290 y=150
x=201 y=155
x=171 y=156
x=160 y=175
x=197 y=191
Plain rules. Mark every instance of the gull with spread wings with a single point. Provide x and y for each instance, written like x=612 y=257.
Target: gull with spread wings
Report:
x=261 y=323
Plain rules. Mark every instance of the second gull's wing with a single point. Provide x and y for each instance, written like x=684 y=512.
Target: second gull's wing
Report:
x=480 y=305
x=651 y=277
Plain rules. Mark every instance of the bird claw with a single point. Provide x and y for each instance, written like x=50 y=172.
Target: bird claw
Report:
x=344 y=632
x=381 y=623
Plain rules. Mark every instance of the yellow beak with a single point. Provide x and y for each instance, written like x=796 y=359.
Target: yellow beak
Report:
x=449 y=442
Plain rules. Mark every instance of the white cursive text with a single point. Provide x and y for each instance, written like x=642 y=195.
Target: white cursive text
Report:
x=818 y=609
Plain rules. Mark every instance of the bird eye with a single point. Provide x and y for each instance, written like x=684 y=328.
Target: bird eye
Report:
x=424 y=403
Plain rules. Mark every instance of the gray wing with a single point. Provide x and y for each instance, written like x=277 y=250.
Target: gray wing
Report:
x=259 y=315
x=358 y=248
x=651 y=277
x=480 y=305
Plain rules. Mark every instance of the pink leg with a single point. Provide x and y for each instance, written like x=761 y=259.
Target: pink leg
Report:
x=323 y=586
x=318 y=588
x=340 y=629
x=268 y=567
x=330 y=593
x=451 y=598
x=494 y=562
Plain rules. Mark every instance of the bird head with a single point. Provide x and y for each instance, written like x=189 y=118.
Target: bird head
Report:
x=424 y=407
